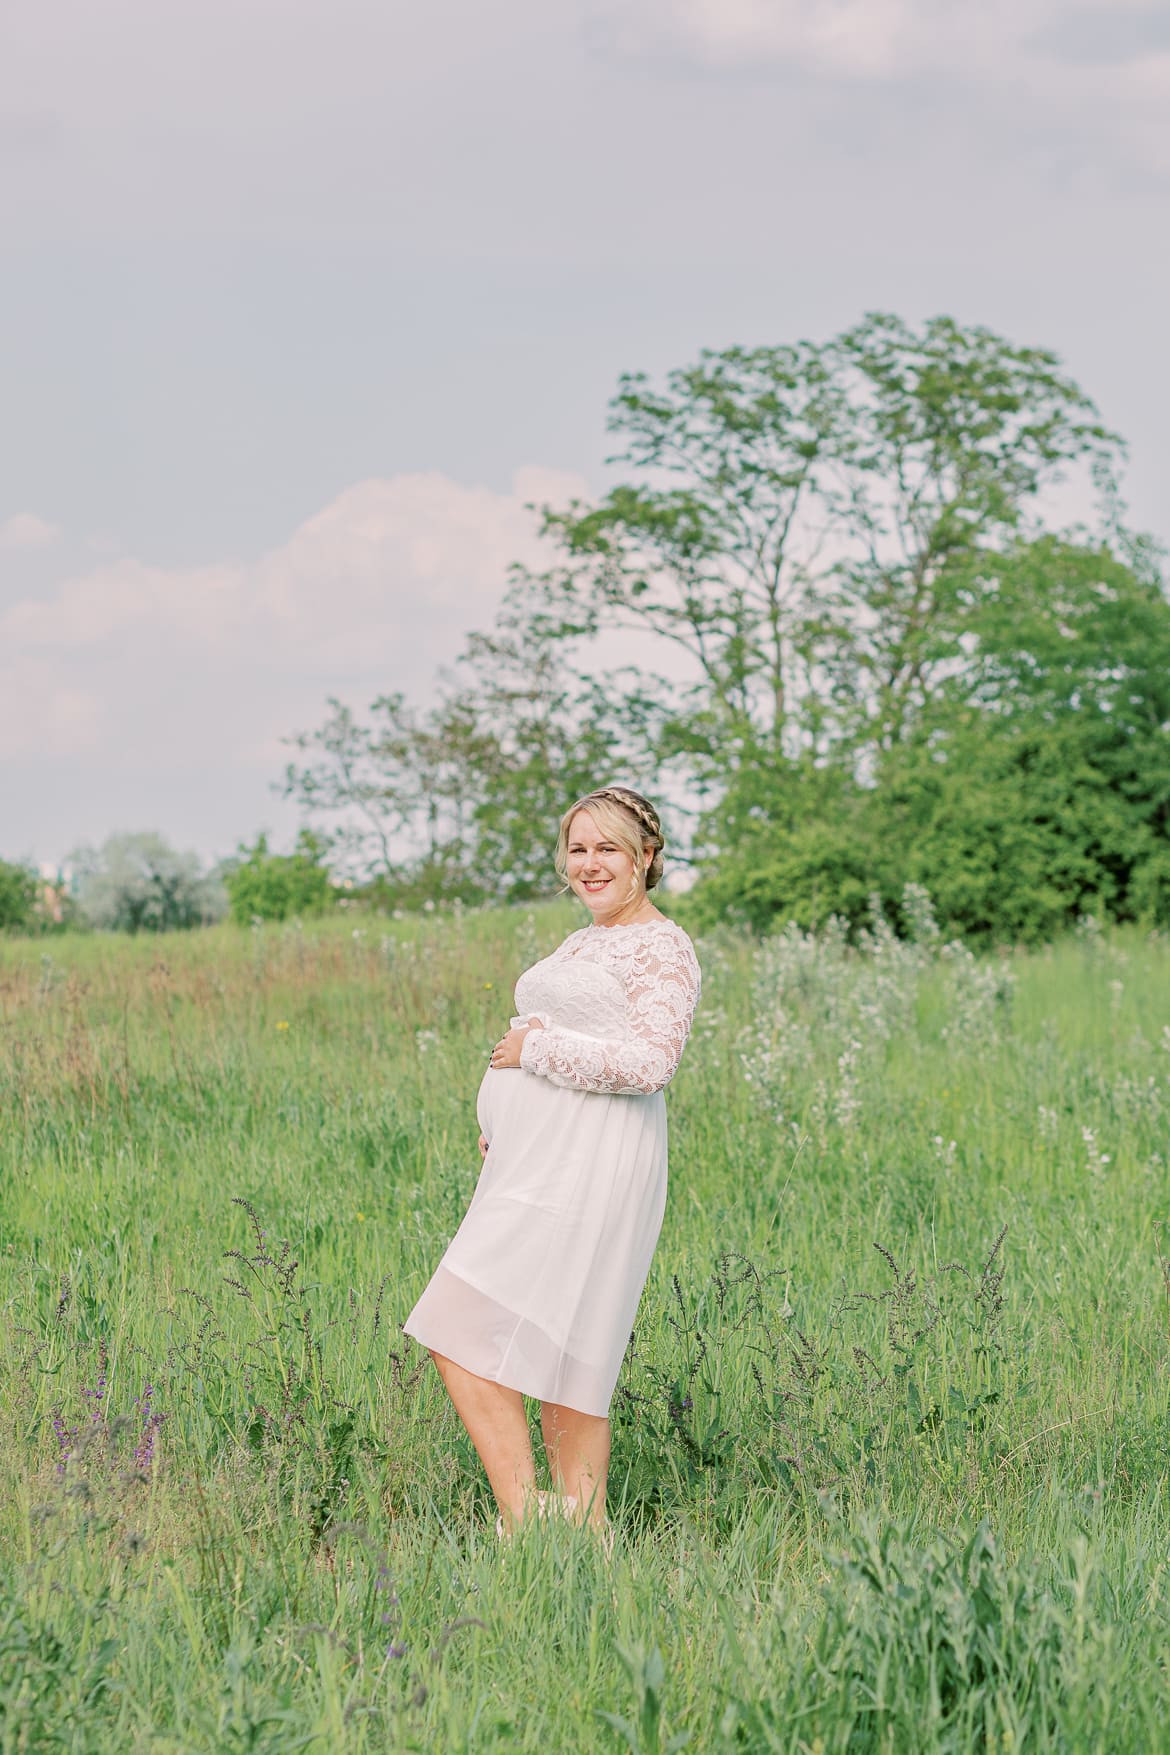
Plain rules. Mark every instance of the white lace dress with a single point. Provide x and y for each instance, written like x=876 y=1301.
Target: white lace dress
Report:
x=539 y=1287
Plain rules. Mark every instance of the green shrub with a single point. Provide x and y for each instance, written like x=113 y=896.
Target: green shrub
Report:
x=1016 y=832
x=18 y=893
x=278 y=886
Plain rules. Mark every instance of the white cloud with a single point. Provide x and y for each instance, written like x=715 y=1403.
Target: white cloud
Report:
x=384 y=580
x=865 y=39
x=150 y=674
x=854 y=37
x=25 y=531
x=1097 y=69
x=394 y=566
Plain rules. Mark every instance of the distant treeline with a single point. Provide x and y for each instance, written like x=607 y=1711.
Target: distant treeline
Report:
x=864 y=657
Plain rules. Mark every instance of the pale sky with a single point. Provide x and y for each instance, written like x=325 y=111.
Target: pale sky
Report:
x=300 y=305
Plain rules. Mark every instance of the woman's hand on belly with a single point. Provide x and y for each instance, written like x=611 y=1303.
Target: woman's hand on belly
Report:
x=506 y=1053
x=483 y=1147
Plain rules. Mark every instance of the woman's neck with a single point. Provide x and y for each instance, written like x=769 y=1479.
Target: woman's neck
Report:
x=639 y=909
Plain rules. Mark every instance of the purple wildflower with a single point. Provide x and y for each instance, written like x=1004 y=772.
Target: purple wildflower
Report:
x=64 y=1435
x=384 y=1587
x=151 y=1421
x=97 y=1395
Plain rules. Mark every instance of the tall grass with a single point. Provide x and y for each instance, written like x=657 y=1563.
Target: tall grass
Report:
x=891 y=1441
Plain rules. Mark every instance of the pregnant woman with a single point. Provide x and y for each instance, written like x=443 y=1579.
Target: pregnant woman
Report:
x=537 y=1292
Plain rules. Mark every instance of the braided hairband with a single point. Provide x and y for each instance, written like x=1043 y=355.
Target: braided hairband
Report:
x=636 y=806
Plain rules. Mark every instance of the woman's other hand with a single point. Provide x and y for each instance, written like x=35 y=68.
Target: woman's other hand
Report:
x=482 y=1147
x=506 y=1052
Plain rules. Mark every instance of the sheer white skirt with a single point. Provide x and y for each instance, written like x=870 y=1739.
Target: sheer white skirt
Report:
x=539 y=1287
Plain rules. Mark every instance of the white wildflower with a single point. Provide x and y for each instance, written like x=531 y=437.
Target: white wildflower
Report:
x=846 y=1101
x=1096 y=1160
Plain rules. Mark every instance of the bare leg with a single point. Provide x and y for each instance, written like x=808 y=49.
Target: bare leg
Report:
x=498 y=1427
x=577 y=1446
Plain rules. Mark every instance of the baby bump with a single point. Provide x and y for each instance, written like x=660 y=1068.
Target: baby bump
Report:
x=483 y=1104
x=516 y=1108
x=498 y=1094
x=527 y=1118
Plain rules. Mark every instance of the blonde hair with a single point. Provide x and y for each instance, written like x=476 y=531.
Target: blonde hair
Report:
x=626 y=818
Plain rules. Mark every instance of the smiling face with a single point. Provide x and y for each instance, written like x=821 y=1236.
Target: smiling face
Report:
x=600 y=870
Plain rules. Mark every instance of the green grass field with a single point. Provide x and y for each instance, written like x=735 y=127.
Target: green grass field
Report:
x=887 y=1475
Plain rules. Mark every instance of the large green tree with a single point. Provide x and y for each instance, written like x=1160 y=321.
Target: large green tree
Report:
x=845 y=634
x=799 y=525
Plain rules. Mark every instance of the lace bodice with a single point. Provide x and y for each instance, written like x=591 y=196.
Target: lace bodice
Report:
x=616 y=1003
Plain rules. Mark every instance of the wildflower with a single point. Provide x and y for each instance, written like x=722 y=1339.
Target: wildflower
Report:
x=846 y=1100
x=151 y=1421
x=488 y=985
x=282 y=1024
x=1096 y=1159
x=65 y=1436
x=96 y=1396
x=360 y=1217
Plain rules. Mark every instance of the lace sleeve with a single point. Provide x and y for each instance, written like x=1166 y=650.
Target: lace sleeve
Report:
x=662 y=991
